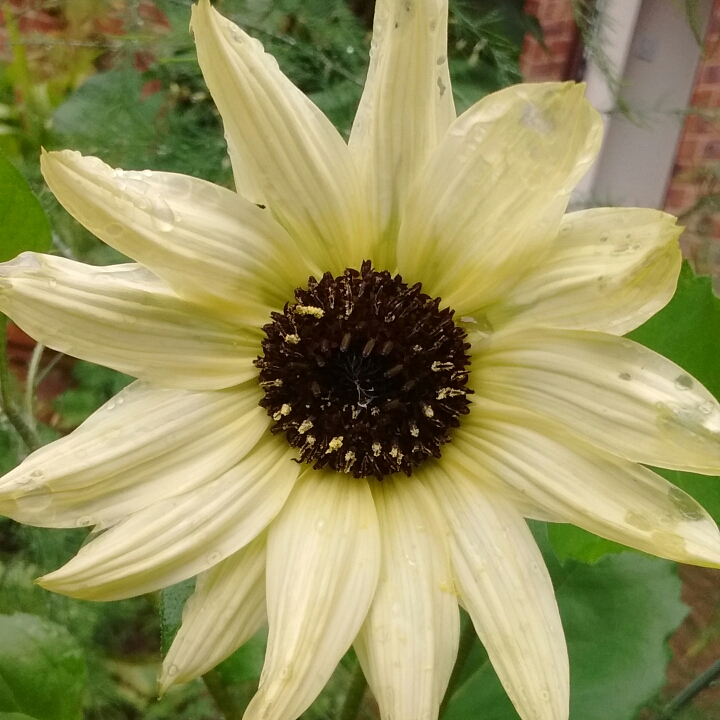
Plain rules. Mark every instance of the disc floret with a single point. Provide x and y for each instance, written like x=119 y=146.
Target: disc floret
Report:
x=364 y=374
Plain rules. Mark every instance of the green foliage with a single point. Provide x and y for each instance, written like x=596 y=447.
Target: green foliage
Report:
x=95 y=386
x=23 y=223
x=42 y=669
x=172 y=601
x=571 y=542
x=617 y=615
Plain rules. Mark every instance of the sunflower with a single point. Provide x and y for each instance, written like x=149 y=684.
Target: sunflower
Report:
x=359 y=374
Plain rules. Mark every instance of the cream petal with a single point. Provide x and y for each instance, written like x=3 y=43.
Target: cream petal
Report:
x=504 y=585
x=206 y=242
x=143 y=446
x=613 y=392
x=408 y=643
x=123 y=317
x=245 y=185
x=294 y=155
x=489 y=202
x=323 y=559
x=225 y=611
x=406 y=108
x=609 y=496
x=609 y=270
x=179 y=537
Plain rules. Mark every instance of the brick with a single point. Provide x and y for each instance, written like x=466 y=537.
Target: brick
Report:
x=711 y=74
x=711 y=150
x=675 y=199
x=687 y=152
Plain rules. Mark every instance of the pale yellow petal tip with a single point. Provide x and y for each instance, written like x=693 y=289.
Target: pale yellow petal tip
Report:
x=199 y=12
x=57 y=583
x=167 y=677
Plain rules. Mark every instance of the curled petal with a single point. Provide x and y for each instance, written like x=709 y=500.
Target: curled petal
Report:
x=617 y=394
x=406 y=108
x=578 y=483
x=123 y=317
x=143 y=446
x=504 y=585
x=609 y=270
x=209 y=244
x=177 y=538
x=225 y=611
x=408 y=643
x=294 y=156
x=323 y=559
x=490 y=199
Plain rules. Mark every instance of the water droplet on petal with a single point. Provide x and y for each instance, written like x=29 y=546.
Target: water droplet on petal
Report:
x=683 y=382
x=114 y=230
x=35 y=500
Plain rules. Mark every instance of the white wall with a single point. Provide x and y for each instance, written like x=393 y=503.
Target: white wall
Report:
x=652 y=45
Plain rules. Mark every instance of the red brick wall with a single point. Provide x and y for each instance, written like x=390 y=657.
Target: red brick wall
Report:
x=560 y=35
x=697 y=163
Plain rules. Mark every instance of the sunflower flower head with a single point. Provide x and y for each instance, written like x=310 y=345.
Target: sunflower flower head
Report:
x=359 y=373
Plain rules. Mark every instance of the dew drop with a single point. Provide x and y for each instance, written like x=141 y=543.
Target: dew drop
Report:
x=545 y=695
x=84 y=521
x=213 y=558
x=683 y=382
x=706 y=408
x=114 y=230
x=35 y=500
x=163 y=217
x=172 y=670
x=320 y=526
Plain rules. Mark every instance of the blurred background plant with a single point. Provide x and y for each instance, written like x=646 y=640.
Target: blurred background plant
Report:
x=119 y=79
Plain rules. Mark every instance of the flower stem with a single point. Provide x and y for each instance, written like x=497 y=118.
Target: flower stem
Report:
x=689 y=692
x=355 y=694
x=32 y=382
x=13 y=414
x=468 y=638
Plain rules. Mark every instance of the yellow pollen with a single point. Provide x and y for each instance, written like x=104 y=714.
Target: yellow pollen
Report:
x=292 y=339
x=448 y=392
x=284 y=410
x=335 y=444
x=308 y=310
x=377 y=449
x=428 y=411
x=305 y=425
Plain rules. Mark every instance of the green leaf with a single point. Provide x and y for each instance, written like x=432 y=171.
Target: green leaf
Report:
x=687 y=331
x=245 y=664
x=573 y=543
x=23 y=223
x=172 y=601
x=42 y=669
x=617 y=616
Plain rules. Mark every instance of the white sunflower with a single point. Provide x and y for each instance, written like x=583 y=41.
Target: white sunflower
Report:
x=300 y=372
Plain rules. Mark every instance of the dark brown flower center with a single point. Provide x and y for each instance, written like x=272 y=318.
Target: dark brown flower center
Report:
x=364 y=374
